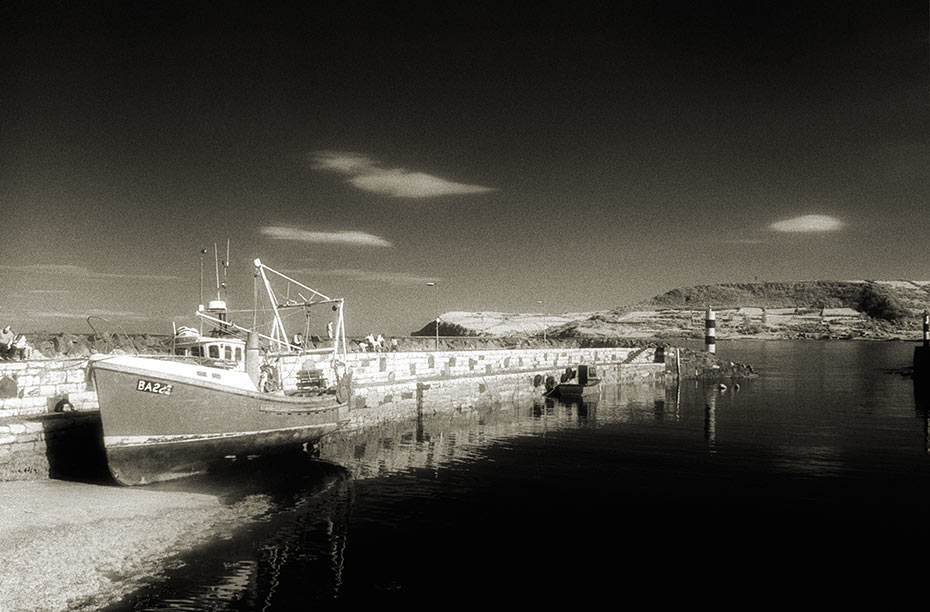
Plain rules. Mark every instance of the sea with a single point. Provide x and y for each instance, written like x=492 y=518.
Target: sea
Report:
x=808 y=485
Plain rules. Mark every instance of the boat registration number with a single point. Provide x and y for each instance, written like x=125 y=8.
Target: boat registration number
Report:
x=150 y=386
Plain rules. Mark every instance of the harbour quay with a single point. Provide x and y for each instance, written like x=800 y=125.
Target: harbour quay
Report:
x=403 y=385
x=50 y=426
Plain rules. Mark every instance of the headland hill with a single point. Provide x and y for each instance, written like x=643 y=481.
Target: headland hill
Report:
x=794 y=310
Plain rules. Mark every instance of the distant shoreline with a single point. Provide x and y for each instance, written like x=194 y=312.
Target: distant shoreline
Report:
x=63 y=345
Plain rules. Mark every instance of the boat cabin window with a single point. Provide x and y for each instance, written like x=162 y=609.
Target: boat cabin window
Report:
x=219 y=351
x=591 y=372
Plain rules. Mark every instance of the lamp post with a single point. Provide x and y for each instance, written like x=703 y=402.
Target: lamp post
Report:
x=436 y=307
x=540 y=302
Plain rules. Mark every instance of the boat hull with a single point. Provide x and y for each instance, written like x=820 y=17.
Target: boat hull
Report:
x=578 y=382
x=160 y=425
x=577 y=390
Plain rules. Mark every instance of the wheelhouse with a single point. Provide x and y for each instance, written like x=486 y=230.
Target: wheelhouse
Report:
x=226 y=353
x=586 y=374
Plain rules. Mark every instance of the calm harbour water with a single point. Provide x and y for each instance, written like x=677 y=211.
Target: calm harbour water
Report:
x=812 y=480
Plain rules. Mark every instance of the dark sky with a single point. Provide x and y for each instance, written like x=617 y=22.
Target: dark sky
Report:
x=585 y=155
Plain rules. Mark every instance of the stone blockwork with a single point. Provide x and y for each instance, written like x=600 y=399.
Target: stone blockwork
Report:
x=390 y=368
x=59 y=445
x=399 y=386
x=49 y=422
x=30 y=388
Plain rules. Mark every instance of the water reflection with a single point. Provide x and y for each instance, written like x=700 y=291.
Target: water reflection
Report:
x=811 y=460
x=640 y=403
x=304 y=534
x=431 y=441
x=710 y=418
x=565 y=411
x=922 y=409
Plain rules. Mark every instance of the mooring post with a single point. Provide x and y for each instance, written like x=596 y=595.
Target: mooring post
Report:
x=710 y=332
x=922 y=360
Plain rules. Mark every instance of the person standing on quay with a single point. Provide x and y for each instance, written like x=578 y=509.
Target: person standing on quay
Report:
x=6 y=342
x=18 y=349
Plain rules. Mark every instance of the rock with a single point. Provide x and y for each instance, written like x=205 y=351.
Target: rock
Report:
x=63 y=344
x=8 y=387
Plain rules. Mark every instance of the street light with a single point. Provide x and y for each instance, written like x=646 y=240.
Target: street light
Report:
x=540 y=302
x=436 y=307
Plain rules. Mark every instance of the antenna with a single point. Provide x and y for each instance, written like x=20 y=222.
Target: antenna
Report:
x=216 y=265
x=226 y=267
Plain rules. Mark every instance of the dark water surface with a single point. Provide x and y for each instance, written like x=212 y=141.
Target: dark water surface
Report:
x=809 y=483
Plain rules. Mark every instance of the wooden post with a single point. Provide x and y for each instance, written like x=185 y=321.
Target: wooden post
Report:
x=922 y=362
x=710 y=332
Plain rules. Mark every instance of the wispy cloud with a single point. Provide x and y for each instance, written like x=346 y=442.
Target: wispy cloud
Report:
x=80 y=272
x=750 y=241
x=366 y=174
x=369 y=276
x=807 y=224
x=346 y=237
x=122 y=314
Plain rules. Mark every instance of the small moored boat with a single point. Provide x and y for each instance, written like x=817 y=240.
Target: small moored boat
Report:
x=581 y=381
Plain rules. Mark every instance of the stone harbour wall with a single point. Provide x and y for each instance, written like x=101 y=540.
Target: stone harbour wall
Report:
x=50 y=423
x=29 y=388
x=390 y=368
x=492 y=379
x=58 y=445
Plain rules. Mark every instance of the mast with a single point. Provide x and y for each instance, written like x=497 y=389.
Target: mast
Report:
x=279 y=334
x=217 y=308
x=202 y=253
x=277 y=328
x=216 y=265
x=226 y=269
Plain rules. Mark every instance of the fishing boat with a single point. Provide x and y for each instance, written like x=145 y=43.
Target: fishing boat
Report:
x=581 y=381
x=220 y=396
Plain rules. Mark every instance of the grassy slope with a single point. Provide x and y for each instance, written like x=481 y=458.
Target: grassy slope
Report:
x=799 y=294
x=801 y=309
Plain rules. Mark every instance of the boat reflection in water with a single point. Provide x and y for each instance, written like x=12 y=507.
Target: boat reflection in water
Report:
x=574 y=408
x=298 y=549
x=300 y=532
